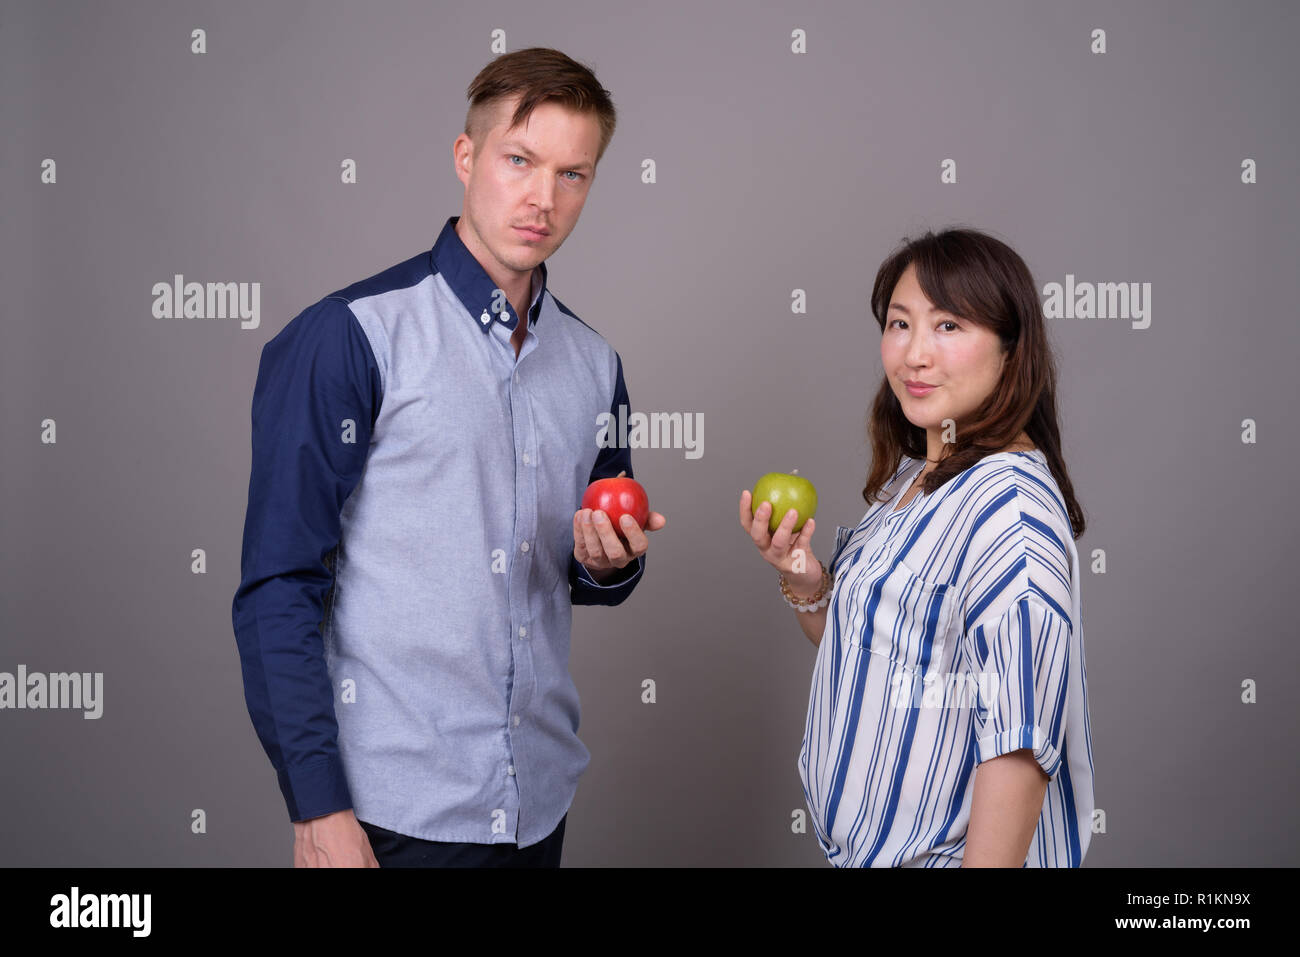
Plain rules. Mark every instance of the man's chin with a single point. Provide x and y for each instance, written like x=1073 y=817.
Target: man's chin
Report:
x=525 y=258
x=532 y=252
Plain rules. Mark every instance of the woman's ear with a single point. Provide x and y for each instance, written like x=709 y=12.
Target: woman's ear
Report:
x=1006 y=354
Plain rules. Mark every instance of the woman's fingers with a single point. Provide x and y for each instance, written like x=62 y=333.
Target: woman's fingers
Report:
x=758 y=527
x=777 y=545
x=784 y=532
x=804 y=542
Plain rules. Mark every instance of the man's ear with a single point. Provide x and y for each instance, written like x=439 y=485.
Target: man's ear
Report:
x=462 y=157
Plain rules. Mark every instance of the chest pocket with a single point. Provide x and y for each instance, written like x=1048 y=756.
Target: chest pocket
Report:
x=908 y=619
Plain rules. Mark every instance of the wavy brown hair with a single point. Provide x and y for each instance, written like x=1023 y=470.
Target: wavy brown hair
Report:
x=539 y=74
x=984 y=281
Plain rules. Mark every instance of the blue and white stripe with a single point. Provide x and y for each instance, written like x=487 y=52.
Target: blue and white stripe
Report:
x=954 y=635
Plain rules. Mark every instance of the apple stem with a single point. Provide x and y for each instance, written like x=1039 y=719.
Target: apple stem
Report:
x=794 y=472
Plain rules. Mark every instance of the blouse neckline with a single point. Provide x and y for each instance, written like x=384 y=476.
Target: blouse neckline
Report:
x=894 y=509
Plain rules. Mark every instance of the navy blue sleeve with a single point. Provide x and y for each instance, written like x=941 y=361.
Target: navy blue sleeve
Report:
x=611 y=460
x=317 y=397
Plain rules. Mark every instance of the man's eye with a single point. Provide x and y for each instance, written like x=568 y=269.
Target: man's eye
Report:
x=514 y=157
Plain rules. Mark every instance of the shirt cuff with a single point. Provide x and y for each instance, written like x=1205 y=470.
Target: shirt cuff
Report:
x=587 y=591
x=315 y=788
x=625 y=575
x=1029 y=736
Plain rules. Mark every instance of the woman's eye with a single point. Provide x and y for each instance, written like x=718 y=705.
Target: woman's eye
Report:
x=946 y=322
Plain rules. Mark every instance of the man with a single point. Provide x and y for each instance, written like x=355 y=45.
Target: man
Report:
x=411 y=550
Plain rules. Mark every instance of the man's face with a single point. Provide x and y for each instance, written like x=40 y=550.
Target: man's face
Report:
x=962 y=359
x=535 y=175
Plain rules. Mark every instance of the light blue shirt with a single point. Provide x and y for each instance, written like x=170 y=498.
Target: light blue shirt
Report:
x=408 y=577
x=954 y=634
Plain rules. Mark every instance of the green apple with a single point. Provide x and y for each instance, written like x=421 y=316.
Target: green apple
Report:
x=785 y=491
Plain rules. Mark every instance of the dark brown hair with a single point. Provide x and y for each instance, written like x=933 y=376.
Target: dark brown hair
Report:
x=984 y=281
x=540 y=74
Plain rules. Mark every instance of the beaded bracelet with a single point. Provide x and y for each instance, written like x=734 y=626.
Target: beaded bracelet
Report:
x=819 y=599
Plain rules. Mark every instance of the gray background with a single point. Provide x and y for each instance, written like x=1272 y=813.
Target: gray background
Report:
x=775 y=172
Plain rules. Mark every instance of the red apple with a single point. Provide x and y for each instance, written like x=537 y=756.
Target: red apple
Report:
x=617 y=497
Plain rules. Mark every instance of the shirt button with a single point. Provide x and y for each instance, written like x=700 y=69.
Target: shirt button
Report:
x=510 y=770
x=516 y=721
x=523 y=547
x=526 y=458
x=523 y=632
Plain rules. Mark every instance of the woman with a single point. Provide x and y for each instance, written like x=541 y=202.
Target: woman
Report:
x=948 y=717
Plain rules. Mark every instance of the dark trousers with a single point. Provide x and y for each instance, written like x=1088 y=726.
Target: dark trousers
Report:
x=397 y=850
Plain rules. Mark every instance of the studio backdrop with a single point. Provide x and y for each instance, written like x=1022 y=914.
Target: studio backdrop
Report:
x=1141 y=157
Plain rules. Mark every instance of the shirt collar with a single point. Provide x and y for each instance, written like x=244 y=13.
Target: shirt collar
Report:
x=473 y=286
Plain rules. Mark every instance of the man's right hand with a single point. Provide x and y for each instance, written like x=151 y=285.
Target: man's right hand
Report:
x=332 y=840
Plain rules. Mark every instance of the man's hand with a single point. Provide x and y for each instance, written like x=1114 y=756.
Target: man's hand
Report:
x=596 y=543
x=332 y=840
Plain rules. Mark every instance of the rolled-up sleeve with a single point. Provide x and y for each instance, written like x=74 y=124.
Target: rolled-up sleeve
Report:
x=611 y=460
x=314 y=407
x=1023 y=661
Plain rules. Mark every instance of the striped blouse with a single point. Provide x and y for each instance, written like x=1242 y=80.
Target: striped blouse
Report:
x=953 y=636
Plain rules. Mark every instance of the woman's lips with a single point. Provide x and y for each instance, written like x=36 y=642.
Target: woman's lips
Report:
x=919 y=390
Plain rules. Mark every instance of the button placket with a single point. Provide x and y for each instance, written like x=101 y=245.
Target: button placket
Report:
x=525 y=524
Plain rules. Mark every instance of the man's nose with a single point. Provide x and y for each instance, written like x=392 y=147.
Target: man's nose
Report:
x=543 y=194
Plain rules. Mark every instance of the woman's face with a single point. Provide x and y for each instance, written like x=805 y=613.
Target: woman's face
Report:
x=962 y=360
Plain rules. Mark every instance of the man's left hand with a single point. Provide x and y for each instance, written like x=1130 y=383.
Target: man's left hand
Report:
x=597 y=545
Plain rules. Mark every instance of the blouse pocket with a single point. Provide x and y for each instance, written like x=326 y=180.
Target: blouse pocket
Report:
x=909 y=619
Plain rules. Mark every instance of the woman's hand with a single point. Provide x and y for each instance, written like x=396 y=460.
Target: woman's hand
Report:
x=780 y=548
